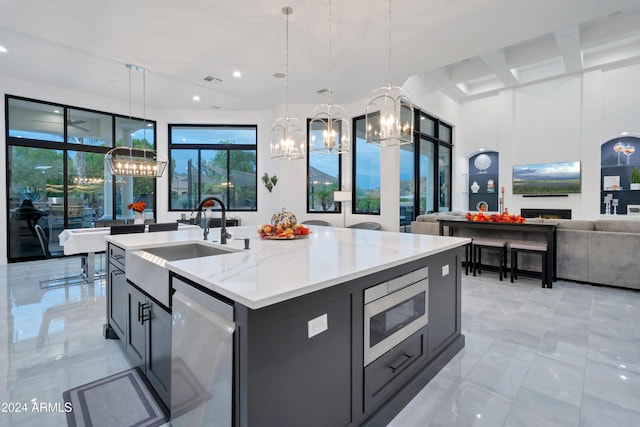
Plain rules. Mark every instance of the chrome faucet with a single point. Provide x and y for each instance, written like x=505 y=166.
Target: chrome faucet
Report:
x=224 y=235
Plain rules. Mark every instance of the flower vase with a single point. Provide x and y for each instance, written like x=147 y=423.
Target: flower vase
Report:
x=138 y=218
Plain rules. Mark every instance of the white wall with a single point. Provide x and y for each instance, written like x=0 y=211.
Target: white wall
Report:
x=562 y=119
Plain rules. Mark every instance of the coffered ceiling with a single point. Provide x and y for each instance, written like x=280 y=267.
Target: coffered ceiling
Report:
x=463 y=48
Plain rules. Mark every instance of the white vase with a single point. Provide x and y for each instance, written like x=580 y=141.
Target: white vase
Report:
x=635 y=186
x=475 y=187
x=138 y=218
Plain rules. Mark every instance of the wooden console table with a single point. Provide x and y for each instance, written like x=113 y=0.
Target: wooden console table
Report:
x=546 y=228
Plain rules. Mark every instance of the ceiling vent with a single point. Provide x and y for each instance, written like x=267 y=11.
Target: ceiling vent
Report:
x=212 y=79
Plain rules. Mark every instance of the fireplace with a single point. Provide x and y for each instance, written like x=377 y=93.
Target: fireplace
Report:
x=546 y=213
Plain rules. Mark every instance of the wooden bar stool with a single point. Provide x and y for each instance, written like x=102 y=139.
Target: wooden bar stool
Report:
x=495 y=244
x=532 y=248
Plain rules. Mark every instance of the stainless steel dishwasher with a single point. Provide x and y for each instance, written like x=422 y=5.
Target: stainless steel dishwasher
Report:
x=201 y=358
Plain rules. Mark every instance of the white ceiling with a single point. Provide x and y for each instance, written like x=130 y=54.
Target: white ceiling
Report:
x=464 y=48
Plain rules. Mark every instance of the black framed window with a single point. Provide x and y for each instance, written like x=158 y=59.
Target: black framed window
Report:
x=425 y=166
x=366 y=172
x=55 y=168
x=407 y=183
x=213 y=160
x=444 y=178
x=324 y=175
x=434 y=163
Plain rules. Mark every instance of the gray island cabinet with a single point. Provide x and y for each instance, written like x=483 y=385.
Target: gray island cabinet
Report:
x=311 y=337
x=142 y=324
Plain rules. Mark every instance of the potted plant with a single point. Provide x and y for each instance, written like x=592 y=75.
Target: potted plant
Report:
x=635 y=178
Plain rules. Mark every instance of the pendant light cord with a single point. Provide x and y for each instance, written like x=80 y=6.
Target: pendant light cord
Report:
x=286 y=63
x=144 y=105
x=330 y=61
x=389 y=65
x=129 y=92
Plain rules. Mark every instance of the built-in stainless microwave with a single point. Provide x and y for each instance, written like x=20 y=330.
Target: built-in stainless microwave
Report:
x=393 y=311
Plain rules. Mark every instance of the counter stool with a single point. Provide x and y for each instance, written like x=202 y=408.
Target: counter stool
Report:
x=477 y=245
x=467 y=257
x=532 y=248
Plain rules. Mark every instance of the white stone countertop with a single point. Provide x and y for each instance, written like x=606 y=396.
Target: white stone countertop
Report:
x=272 y=271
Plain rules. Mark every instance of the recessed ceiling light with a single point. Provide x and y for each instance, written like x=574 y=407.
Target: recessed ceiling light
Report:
x=3 y=49
x=237 y=74
x=196 y=98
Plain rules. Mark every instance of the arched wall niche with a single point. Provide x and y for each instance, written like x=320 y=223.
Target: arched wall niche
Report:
x=484 y=183
x=620 y=174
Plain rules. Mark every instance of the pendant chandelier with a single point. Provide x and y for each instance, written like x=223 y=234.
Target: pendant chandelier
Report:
x=287 y=137
x=389 y=112
x=129 y=161
x=331 y=120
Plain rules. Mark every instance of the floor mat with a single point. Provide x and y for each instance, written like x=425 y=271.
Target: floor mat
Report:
x=119 y=400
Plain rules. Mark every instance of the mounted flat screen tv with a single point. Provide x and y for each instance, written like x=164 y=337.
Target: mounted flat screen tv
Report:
x=547 y=178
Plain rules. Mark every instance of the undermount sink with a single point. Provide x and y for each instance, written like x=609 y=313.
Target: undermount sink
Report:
x=186 y=251
x=147 y=268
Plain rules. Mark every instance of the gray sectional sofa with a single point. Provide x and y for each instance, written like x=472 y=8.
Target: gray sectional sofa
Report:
x=603 y=252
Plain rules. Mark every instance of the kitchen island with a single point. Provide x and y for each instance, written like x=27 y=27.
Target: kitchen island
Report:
x=299 y=328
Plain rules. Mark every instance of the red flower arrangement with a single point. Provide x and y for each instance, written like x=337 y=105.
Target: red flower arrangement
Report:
x=209 y=204
x=137 y=206
x=497 y=217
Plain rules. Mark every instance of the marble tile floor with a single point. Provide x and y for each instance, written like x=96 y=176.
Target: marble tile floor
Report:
x=567 y=356
x=50 y=340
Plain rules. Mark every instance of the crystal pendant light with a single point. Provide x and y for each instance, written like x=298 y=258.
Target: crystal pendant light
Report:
x=331 y=120
x=287 y=137
x=389 y=112
x=129 y=161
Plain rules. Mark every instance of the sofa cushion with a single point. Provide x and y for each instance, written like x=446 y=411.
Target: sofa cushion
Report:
x=575 y=224
x=433 y=217
x=427 y=218
x=618 y=225
x=535 y=220
x=612 y=258
x=424 y=227
x=572 y=254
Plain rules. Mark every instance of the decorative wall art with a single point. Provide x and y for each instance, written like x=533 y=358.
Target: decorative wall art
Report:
x=269 y=182
x=611 y=183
